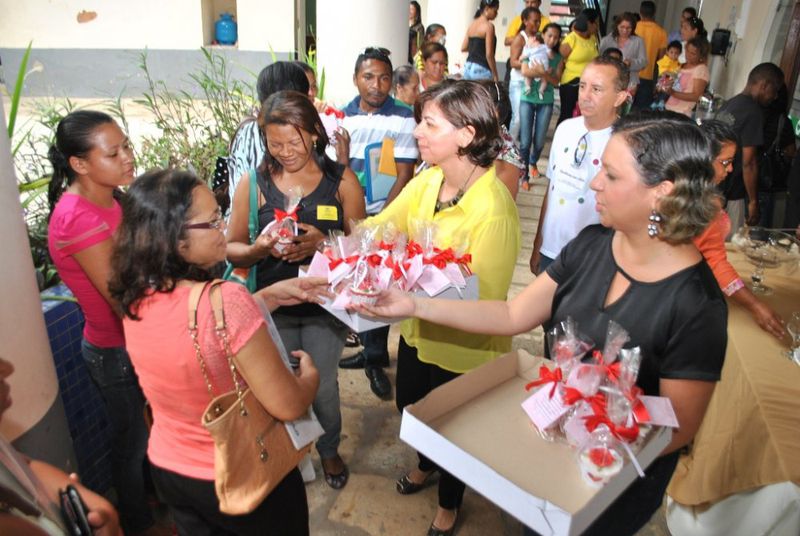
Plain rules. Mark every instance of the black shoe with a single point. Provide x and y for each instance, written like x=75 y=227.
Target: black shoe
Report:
x=378 y=382
x=359 y=361
x=406 y=487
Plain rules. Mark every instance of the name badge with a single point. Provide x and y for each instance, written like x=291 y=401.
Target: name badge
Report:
x=327 y=213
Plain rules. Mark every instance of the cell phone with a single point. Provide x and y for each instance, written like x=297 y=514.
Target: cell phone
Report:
x=74 y=512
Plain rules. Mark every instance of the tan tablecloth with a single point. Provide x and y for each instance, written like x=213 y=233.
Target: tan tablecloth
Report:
x=750 y=436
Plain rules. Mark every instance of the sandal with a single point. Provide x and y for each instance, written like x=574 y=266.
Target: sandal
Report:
x=338 y=480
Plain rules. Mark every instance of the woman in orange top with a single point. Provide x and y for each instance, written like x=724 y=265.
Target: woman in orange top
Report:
x=712 y=242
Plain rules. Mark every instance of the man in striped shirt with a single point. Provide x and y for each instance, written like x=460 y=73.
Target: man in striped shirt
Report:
x=372 y=117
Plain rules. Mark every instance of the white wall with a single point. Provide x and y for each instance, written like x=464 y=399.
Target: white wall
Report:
x=156 y=24
x=749 y=38
x=341 y=38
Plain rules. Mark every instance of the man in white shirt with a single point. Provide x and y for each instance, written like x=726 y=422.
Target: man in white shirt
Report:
x=575 y=158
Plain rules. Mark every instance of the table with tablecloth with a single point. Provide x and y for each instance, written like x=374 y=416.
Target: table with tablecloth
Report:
x=747 y=450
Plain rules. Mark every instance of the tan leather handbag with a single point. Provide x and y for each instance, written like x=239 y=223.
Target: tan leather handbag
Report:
x=252 y=450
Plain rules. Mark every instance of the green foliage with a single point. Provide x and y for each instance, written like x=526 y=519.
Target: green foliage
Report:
x=195 y=130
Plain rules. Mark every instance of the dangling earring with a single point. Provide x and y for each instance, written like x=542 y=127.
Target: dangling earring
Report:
x=655 y=221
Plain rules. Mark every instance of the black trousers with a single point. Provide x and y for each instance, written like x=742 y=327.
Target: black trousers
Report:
x=416 y=379
x=568 y=94
x=195 y=509
x=644 y=94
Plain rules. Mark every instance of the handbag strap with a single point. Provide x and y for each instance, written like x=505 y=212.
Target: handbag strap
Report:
x=218 y=309
x=252 y=222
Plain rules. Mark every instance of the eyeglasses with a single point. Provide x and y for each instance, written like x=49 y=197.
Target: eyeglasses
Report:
x=217 y=223
x=580 y=151
x=725 y=163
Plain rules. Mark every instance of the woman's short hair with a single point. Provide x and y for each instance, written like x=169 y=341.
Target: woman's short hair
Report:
x=701 y=44
x=146 y=256
x=527 y=13
x=466 y=103
x=429 y=49
x=280 y=76
x=432 y=30
x=294 y=109
x=669 y=148
x=402 y=76
x=627 y=17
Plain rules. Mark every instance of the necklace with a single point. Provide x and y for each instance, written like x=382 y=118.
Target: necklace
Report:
x=453 y=201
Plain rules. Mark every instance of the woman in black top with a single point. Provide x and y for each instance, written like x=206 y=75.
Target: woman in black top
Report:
x=656 y=286
x=480 y=42
x=332 y=198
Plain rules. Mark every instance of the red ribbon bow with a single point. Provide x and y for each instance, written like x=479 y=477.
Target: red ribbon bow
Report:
x=397 y=267
x=612 y=370
x=385 y=246
x=413 y=249
x=336 y=262
x=330 y=110
x=629 y=434
x=374 y=260
x=638 y=408
x=441 y=258
x=547 y=376
x=281 y=215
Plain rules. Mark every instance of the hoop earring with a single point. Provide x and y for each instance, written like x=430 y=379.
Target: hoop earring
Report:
x=655 y=220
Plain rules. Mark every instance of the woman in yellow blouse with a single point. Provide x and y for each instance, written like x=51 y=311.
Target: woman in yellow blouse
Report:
x=458 y=132
x=578 y=48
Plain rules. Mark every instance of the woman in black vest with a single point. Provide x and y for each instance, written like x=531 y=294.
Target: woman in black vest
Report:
x=332 y=198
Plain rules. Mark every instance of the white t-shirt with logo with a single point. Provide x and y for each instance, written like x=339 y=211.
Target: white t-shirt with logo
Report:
x=574 y=161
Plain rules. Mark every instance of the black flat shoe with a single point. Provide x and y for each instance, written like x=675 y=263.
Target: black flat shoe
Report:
x=433 y=530
x=379 y=382
x=339 y=480
x=406 y=487
x=359 y=361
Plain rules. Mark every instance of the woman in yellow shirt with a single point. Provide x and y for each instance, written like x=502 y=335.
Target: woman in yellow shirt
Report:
x=459 y=134
x=578 y=48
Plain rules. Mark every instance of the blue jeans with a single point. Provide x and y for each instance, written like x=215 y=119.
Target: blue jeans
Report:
x=112 y=372
x=534 y=121
x=515 y=88
x=323 y=338
x=475 y=71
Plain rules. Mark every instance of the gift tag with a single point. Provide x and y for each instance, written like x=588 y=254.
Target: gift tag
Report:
x=318 y=266
x=543 y=410
x=453 y=273
x=433 y=281
x=660 y=410
x=575 y=427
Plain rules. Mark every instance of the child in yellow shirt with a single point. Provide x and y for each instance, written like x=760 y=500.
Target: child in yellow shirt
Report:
x=668 y=68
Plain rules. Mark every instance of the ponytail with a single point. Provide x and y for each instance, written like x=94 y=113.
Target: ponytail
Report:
x=73 y=138
x=484 y=4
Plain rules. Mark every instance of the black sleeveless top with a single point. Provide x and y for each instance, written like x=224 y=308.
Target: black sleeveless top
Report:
x=321 y=208
x=476 y=50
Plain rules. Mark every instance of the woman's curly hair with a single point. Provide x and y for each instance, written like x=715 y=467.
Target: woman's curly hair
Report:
x=146 y=256
x=669 y=147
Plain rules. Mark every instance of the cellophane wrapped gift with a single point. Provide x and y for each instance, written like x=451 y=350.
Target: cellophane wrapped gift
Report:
x=284 y=225
x=598 y=408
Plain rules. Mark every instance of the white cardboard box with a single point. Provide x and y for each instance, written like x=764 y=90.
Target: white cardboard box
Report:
x=360 y=323
x=475 y=429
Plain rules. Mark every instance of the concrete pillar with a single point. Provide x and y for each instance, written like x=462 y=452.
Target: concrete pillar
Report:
x=36 y=418
x=346 y=28
x=456 y=18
